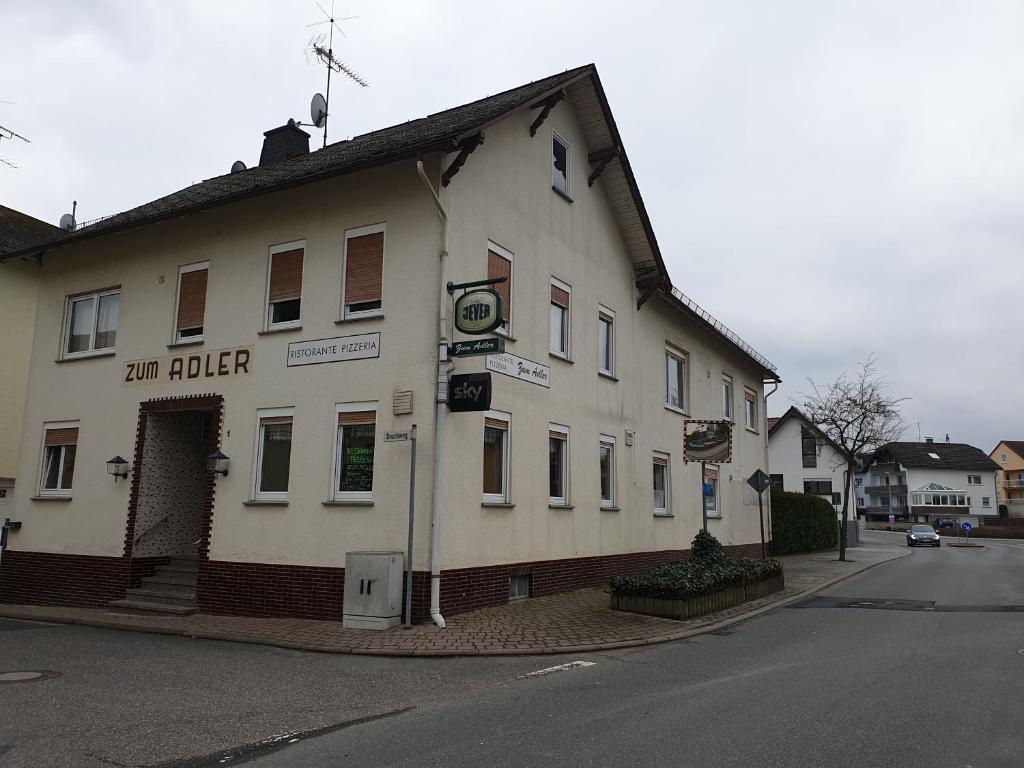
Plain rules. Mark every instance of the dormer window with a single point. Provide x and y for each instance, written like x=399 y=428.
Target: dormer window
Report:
x=560 y=164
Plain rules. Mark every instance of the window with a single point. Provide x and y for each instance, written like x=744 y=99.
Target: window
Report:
x=821 y=488
x=496 y=457
x=777 y=482
x=499 y=264
x=518 y=587
x=605 y=340
x=727 y=397
x=607 y=468
x=675 y=380
x=284 y=286
x=273 y=454
x=858 y=482
x=60 y=445
x=974 y=479
x=808 y=447
x=560 y=164
x=91 y=323
x=661 y=485
x=560 y=293
x=558 y=464
x=750 y=409
x=364 y=271
x=860 y=501
x=1002 y=458
x=711 y=492
x=190 y=313
x=353 y=452
x=986 y=501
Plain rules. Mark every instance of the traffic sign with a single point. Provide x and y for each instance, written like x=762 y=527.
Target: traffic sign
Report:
x=760 y=481
x=965 y=527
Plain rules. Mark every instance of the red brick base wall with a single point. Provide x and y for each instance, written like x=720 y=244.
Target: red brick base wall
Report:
x=265 y=589
x=47 y=578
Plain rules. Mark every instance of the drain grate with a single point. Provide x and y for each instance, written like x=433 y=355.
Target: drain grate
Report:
x=27 y=676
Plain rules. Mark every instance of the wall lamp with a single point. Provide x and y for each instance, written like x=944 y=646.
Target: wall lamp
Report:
x=218 y=462
x=117 y=467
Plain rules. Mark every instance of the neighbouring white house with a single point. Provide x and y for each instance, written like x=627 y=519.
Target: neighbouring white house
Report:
x=801 y=458
x=929 y=481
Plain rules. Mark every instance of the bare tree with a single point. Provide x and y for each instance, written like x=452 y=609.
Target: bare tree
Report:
x=857 y=414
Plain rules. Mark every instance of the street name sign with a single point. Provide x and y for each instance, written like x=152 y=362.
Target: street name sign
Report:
x=477 y=347
x=469 y=392
x=478 y=311
x=396 y=437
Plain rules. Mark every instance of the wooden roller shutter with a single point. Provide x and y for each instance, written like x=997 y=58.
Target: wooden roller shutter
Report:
x=496 y=423
x=286 y=275
x=661 y=461
x=64 y=436
x=606 y=317
x=276 y=420
x=192 y=299
x=357 y=417
x=499 y=266
x=557 y=435
x=364 y=265
x=559 y=296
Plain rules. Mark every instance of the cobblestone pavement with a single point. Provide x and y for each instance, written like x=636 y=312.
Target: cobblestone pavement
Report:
x=571 y=622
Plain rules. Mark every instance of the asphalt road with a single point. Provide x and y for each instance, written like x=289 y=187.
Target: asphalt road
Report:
x=913 y=663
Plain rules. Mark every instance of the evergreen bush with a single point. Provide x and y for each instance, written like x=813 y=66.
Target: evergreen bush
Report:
x=802 y=522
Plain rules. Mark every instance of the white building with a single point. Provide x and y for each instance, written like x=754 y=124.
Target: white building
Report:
x=291 y=315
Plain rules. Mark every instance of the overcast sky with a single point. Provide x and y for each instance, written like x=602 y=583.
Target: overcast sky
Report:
x=830 y=179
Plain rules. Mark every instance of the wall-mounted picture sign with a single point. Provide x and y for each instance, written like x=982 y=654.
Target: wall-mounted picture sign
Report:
x=478 y=311
x=335 y=350
x=469 y=392
x=173 y=369
x=707 y=441
x=520 y=368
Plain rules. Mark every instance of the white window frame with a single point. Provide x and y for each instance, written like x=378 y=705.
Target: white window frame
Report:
x=563 y=500
x=751 y=418
x=58 y=491
x=728 y=398
x=184 y=269
x=92 y=351
x=556 y=136
x=682 y=357
x=607 y=503
x=565 y=354
x=335 y=493
x=264 y=413
x=502 y=330
x=974 y=479
x=369 y=229
x=665 y=511
x=716 y=511
x=268 y=309
x=602 y=309
x=506 y=494
x=986 y=502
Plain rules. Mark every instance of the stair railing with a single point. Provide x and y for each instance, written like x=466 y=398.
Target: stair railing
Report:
x=163 y=519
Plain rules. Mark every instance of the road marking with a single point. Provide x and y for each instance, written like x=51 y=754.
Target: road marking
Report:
x=559 y=668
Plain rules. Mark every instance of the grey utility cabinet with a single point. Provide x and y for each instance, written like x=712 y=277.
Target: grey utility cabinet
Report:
x=373 y=590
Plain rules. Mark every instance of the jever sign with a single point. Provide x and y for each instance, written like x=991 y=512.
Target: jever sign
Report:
x=478 y=312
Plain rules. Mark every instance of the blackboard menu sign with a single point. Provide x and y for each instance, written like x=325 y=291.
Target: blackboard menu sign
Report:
x=356 y=458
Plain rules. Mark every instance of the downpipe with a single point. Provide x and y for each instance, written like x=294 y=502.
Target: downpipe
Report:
x=444 y=368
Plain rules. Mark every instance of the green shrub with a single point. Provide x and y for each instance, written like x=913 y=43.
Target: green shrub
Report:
x=707 y=570
x=802 y=522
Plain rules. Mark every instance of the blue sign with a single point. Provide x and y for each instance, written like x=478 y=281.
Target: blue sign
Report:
x=965 y=527
x=709 y=489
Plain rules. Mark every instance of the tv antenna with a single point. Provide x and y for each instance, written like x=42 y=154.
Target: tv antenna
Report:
x=321 y=48
x=7 y=133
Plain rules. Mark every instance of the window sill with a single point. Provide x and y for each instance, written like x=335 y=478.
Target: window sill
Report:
x=264 y=503
x=561 y=506
x=285 y=329
x=498 y=504
x=561 y=194
x=357 y=318
x=607 y=375
x=674 y=409
x=609 y=509
x=505 y=335
x=752 y=431
x=51 y=498
x=561 y=357
x=346 y=503
x=714 y=517
x=89 y=356
x=186 y=343
x=663 y=514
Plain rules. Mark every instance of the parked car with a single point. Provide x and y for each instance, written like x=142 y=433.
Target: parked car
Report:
x=945 y=523
x=923 y=534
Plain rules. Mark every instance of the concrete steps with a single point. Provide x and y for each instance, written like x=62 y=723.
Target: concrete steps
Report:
x=170 y=591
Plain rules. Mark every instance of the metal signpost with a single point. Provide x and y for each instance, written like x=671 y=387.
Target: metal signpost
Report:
x=966 y=528
x=402 y=437
x=760 y=481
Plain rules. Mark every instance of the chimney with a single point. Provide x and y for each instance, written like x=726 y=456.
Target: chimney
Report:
x=947 y=437
x=282 y=143
x=929 y=440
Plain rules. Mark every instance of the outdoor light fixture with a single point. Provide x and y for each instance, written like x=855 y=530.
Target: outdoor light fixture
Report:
x=117 y=467
x=218 y=462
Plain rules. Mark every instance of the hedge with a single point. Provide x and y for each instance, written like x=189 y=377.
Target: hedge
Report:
x=706 y=571
x=802 y=522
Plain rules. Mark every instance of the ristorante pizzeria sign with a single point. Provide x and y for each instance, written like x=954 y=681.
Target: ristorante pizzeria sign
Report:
x=334 y=350
x=214 y=364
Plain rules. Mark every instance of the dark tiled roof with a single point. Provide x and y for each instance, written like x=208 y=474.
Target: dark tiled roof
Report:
x=795 y=413
x=19 y=230
x=1017 y=446
x=957 y=456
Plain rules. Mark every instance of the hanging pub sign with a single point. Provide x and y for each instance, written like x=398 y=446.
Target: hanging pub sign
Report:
x=477 y=347
x=478 y=311
x=707 y=441
x=469 y=392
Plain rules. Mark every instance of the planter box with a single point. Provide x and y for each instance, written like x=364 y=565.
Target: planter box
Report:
x=697 y=606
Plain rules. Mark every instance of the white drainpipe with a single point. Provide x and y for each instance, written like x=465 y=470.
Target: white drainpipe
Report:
x=444 y=367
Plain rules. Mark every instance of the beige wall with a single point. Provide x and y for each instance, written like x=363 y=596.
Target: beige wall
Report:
x=18 y=285
x=503 y=194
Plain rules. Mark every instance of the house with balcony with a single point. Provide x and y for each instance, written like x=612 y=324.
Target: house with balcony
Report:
x=1009 y=455
x=925 y=482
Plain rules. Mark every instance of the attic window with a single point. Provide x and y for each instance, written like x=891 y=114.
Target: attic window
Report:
x=934 y=455
x=560 y=164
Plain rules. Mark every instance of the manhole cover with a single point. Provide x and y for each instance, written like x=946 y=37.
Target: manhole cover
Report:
x=27 y=676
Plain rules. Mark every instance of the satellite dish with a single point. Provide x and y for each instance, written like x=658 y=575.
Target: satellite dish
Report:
x=318 y=110
x=237 y=166
x=67 y=222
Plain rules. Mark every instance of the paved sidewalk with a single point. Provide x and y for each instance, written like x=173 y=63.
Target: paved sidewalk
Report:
x=568 y=623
